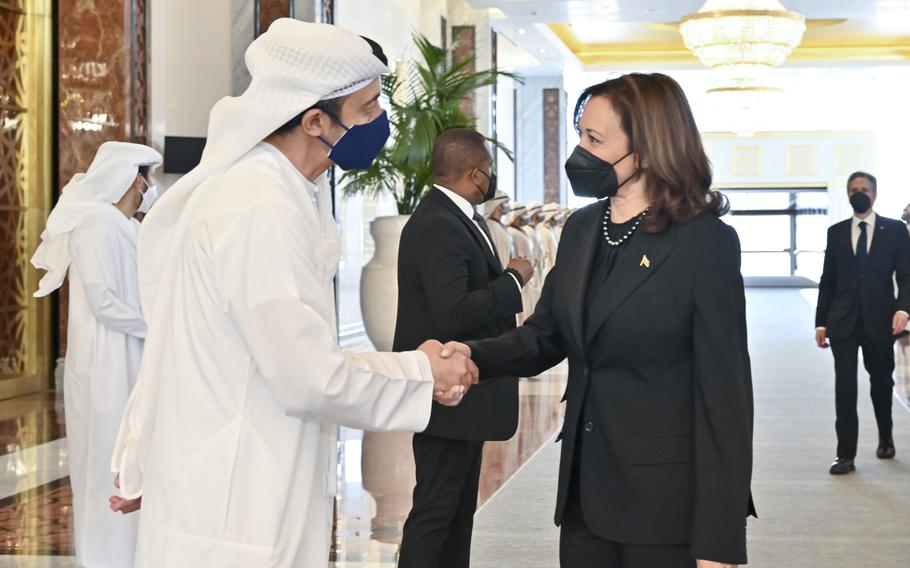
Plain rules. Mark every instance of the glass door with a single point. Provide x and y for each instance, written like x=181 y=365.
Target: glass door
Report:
x=782 y=230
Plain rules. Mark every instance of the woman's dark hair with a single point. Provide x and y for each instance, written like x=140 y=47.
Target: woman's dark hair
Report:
x=144 y=171
x=656 y=117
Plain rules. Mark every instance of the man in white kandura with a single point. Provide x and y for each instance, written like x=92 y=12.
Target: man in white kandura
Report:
x=92 y=233
x=230 y=434
x=493 y=211
x=549 y=240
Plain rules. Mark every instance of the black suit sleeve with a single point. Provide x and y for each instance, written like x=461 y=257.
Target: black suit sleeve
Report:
x=826 y=285
x=442 y=261
x=536 y=346
x=723 y=404
x=902 y=269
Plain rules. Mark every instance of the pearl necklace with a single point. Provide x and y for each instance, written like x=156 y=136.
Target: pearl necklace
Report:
x=625 y=237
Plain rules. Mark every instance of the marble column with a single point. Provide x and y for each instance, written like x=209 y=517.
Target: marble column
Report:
x=552 y=141
x=463 y=40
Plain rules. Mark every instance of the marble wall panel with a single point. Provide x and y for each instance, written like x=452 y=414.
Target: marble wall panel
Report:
x=552 y=143
x=271 y=10
x=101 y=85
x=463 y=40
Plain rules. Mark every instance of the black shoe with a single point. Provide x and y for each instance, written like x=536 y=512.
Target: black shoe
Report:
x=885 y=450
x=842 y=466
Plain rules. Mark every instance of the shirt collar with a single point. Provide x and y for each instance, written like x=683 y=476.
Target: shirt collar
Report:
x=463 y=204
x=870 y=220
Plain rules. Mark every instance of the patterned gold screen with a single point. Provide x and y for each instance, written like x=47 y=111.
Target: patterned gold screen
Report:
x=24 y=111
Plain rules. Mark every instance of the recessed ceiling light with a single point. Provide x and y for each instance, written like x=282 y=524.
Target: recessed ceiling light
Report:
x=541 y=51
x=522 y=31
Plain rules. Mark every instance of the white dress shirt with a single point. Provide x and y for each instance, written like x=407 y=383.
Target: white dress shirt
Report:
x=870 y=230
x=465 y=207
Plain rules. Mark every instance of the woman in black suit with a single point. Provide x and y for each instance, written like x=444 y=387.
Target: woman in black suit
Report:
x=646 y=301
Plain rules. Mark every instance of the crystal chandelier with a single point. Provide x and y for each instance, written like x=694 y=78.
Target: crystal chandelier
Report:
x=742 y=39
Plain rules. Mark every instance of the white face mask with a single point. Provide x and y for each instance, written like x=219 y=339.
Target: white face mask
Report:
x=149 y=197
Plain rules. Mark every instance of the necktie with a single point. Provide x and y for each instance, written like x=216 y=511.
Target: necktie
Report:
x=482 y=223
x=862 y=246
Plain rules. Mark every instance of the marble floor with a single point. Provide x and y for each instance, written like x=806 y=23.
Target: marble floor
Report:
x=376 y=472
x=376 y=476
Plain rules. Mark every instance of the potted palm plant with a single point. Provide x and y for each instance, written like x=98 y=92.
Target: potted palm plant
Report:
x=426 y=100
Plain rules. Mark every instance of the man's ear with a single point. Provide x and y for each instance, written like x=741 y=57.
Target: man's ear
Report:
x=314 y=122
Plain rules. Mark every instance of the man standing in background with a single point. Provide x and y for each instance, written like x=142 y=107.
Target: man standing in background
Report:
x=857 y=309
x=523 y=247
x=451 y=285
x=493 y=210
x=91 y=233
x=549 y=242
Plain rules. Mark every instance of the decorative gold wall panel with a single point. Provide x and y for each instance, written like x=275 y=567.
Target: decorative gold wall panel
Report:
x=25 y=55
x=746 y=161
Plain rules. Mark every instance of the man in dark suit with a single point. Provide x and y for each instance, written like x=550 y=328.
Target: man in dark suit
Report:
x=452 y=287
x=857 y=309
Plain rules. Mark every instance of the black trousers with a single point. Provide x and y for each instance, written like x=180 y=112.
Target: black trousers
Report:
x=581 y=548
x=878 y=358
x=438 y=531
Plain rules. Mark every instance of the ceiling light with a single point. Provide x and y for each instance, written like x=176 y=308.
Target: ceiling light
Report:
x=742 y=38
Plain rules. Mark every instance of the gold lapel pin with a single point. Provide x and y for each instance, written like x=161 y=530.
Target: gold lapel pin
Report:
x=645 y=261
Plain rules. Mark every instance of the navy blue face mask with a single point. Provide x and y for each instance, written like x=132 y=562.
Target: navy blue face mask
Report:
x=360 y=144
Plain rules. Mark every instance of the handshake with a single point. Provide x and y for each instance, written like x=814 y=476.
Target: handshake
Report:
x=453 y=370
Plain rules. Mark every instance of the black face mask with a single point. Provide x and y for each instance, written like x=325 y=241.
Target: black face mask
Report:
x=491 y=187
x=860 y=202
x=592 y=177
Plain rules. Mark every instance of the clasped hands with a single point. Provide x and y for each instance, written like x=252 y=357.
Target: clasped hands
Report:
x=453 y=370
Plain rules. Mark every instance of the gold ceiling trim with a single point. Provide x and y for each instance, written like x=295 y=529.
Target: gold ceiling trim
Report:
x=604 y=54
x=742 y=13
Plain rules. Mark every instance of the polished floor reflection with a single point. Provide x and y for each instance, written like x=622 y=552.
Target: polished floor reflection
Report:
x=376 y=476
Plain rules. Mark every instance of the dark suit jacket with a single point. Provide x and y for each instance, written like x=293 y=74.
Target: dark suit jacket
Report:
x=845 y=292
x=659 y=384
x=451 y=287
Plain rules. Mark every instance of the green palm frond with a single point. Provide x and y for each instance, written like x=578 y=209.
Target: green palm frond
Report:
x=425 y=101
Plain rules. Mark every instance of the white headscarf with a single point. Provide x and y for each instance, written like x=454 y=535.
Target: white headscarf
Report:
x=551 y=210
x=490 y=206
x=293 y=66
x=107 y=179
x=517 y=211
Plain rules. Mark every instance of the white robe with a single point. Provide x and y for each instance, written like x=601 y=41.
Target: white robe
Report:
x=105 y=332
x=538 y=256
x=549 y=244
x=529 y=295
x=240 y=467
x=502 y=241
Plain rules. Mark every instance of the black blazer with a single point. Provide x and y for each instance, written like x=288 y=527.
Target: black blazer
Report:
x=845 y=292
x=659 y=384
x=452 y=287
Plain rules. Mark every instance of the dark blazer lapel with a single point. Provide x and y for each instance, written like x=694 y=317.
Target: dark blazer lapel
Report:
x=643 y=256
x=441 y=198
x=880 y=234
x=590 y=229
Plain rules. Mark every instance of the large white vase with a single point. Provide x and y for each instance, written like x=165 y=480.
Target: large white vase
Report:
x=379 y=282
